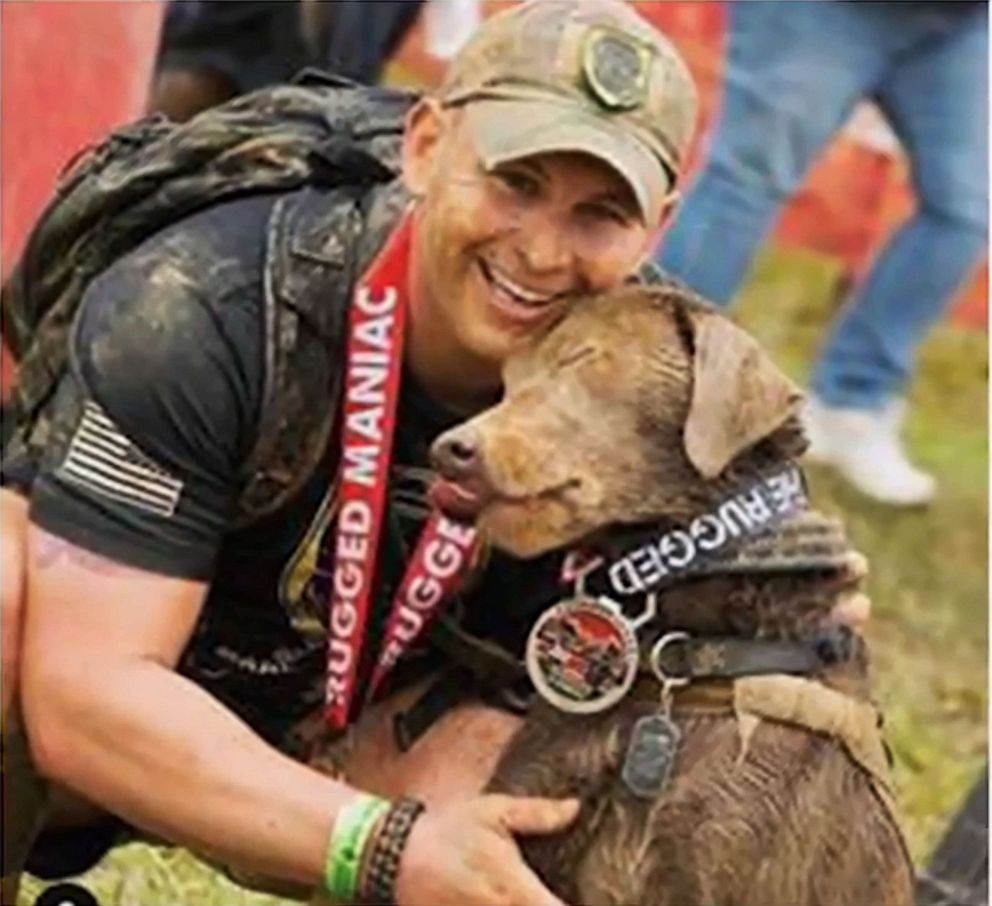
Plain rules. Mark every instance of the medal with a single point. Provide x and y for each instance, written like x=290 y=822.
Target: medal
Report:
x=582 y=655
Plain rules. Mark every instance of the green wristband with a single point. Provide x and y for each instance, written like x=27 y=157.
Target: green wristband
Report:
x=352 y=829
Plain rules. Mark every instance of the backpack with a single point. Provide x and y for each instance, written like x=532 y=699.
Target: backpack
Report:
x=320 y=130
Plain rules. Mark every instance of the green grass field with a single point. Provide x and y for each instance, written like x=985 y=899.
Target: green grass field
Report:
x=929 y=568
x=928 y=584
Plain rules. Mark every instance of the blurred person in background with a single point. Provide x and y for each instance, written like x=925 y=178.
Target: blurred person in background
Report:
x=213 y=50
x=794 y=73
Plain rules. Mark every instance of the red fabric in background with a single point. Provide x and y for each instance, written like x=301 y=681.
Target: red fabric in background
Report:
x=69 y=72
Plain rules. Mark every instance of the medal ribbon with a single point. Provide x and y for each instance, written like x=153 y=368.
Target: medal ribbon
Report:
x=376 y=328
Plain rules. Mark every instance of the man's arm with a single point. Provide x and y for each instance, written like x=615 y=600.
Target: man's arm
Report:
x=107 y=716
x=128 y=510
x=13 y=526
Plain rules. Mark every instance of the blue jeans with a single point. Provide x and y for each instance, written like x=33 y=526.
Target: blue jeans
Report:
x=795 y=71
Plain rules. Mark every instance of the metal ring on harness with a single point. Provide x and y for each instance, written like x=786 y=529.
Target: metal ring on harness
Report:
x=654 y=660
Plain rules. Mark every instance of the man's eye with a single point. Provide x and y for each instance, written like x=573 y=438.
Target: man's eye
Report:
x=522 y=184
x=606 y=213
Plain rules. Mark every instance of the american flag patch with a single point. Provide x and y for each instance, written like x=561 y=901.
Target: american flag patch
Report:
x=101 y=459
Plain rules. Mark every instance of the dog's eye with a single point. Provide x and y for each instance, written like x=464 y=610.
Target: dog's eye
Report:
x=575 y=355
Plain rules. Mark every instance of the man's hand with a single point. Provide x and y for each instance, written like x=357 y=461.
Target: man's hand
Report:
x=465 y=853
x=852 y=607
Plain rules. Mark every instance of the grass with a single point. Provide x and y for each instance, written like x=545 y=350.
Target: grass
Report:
x=929 y=587
x=929 y=568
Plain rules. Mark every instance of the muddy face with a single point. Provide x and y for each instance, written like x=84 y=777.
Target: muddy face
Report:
x=508 y=248
x=632 y=408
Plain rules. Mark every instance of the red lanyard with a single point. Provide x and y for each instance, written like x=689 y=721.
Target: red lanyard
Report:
x=376 y=325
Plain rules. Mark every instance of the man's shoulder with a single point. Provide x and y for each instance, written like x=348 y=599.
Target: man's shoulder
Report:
x=204 y=251
x=185 y=302
x=194 y=288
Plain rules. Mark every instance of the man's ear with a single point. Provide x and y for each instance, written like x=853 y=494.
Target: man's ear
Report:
x=426 y=124
x=655 y=231
x=668 y=211
x=739 y=396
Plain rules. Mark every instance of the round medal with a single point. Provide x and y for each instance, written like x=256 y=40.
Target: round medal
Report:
x=582 y=656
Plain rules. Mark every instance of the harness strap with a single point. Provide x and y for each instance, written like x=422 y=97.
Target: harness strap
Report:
x=690 y=658
x=807 y=541
x=449 y=689
x=813 y=706
x=797 y=701
x=810 y=704
x=489 y=663
x=803 y=542
x=481 y=667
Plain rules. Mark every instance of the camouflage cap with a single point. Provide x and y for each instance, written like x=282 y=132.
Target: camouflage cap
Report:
x=579 y=75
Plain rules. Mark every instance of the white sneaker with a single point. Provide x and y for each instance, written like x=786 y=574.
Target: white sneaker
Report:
x=864 y=446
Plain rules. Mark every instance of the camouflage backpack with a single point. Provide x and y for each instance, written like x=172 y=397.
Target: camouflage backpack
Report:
x=321 y=131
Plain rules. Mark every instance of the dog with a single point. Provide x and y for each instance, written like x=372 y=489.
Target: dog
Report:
x=645 y=410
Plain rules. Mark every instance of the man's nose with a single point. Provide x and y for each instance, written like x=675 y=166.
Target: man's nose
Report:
x=546 y=248
x=456 y=454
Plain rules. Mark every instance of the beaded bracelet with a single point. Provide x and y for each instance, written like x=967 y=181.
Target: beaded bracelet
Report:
x=353 y=828
x=377 y=883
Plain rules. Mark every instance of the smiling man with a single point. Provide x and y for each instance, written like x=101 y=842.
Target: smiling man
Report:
x=172 y=651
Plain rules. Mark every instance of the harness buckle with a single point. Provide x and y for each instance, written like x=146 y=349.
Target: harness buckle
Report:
x=667 y=680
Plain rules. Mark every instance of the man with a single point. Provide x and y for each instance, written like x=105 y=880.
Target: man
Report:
x=795 y=71
x=169 y=653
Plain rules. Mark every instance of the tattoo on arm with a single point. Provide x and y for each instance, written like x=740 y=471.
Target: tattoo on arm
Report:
x=51 y=551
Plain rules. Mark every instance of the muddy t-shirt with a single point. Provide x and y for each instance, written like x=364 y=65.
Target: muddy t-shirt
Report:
x=153 y=425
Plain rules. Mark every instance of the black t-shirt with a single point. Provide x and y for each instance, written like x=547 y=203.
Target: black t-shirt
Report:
x=152 y=426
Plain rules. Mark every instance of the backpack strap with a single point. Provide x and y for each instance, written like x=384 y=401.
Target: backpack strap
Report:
x=318 y=243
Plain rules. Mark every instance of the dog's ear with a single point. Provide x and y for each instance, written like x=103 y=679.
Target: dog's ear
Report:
x=739 y=396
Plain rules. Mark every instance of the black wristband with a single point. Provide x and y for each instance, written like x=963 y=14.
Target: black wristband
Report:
x=378 y=882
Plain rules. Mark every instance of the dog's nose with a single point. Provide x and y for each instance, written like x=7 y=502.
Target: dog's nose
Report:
x=456 y=456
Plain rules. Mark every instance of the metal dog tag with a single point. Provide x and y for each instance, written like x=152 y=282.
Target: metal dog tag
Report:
x=647 y=766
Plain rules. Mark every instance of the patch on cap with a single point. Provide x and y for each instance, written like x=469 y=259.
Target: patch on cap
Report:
x=616 y=68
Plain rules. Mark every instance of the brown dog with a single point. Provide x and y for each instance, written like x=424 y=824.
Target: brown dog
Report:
x=645 y=406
